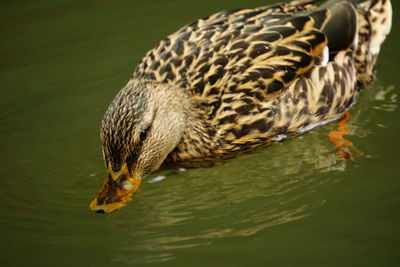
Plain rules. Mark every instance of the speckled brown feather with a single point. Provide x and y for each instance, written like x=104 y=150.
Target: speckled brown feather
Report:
x=264 y=47
x=255 y=75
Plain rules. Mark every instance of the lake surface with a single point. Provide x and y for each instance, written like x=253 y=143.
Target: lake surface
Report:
x=294 y=203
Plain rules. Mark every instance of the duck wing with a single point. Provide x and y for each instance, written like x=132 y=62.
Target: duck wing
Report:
x=236 y=47
x=257 y=51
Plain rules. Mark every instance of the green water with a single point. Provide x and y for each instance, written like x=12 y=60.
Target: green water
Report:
x=291 y=204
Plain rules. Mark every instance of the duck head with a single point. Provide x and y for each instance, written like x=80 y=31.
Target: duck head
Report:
x=143 y=124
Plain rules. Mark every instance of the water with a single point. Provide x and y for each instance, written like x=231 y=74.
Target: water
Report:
x=293 y=203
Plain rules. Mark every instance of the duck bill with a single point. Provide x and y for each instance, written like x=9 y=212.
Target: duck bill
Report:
x=113 y=196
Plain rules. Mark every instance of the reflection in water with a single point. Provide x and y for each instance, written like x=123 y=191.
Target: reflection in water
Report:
x=386 y=98
x=242 y=196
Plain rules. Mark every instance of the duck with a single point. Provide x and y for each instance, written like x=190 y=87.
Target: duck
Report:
x=235 y=81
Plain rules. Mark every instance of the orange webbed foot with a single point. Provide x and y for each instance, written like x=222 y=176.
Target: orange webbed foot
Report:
x=343 y=145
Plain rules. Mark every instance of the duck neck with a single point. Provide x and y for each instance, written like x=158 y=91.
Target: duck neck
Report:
x=196 y=133
x=197 y=142
x=198 y=139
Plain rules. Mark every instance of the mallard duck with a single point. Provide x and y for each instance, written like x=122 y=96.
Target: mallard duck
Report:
x=237 y=80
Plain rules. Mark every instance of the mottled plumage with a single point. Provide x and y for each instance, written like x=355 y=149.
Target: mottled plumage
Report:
x=239 y=79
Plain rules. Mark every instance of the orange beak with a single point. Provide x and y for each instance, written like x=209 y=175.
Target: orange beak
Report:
x=117 y=190
x=112 y=196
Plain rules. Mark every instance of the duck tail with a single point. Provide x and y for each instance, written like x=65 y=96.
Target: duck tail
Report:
x=374 y=24
x=341 y=27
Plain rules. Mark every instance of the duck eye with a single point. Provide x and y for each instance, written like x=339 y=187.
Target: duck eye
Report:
x=143 y=134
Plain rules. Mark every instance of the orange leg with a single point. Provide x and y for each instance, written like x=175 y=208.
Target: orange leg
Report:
x=337 y=139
